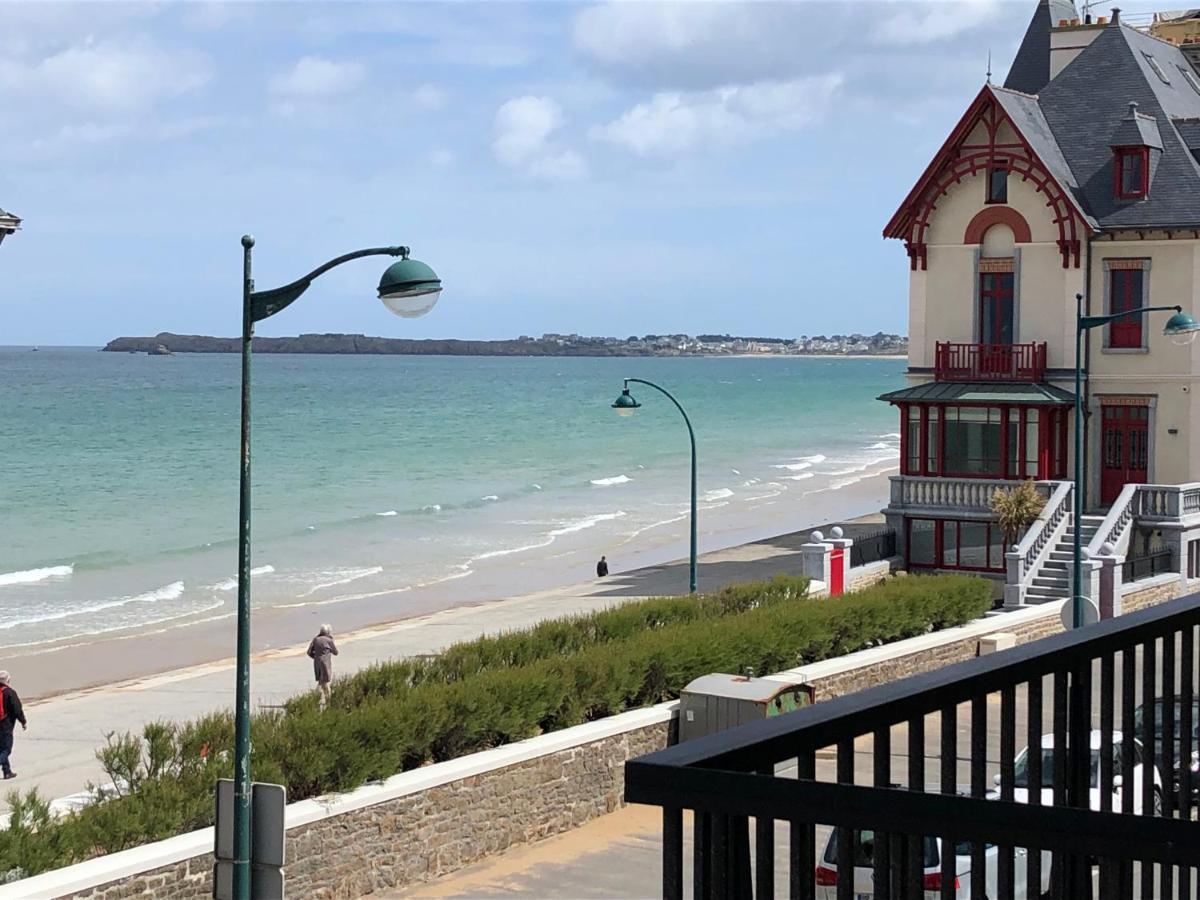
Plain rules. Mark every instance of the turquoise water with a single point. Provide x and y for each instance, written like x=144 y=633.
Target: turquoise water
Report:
x=371 y=474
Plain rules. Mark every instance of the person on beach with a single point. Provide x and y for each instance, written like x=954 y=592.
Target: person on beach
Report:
x=10 y=714
x=602 y=567
x=321 y=651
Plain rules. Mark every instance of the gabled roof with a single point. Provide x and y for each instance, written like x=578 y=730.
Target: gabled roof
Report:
x=1030 y=70
x=1027 y=119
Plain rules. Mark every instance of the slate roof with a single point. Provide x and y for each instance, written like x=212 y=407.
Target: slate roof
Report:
x=981 y=392
x=1087 y=106
x=1031 y=68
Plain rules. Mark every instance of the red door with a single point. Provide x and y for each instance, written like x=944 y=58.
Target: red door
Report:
x=1124 y=448
x=837 y=571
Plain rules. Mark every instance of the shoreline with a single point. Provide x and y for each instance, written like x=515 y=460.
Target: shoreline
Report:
x=79 y=668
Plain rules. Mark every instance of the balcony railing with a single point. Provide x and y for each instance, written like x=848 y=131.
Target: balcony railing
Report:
x=903 y=770
x=989 y=362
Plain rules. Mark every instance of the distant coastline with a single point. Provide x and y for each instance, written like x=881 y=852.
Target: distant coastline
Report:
x=849 y=346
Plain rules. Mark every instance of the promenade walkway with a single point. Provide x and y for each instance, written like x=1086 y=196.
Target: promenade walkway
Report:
x=57 y=754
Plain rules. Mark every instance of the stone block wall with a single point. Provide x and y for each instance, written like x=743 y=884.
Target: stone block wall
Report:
x=1150 y=596
x=432 y=832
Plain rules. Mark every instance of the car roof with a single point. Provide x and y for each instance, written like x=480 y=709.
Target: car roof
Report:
x=1096 y=734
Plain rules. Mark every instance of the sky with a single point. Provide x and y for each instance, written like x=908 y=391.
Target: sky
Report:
x=609 y=168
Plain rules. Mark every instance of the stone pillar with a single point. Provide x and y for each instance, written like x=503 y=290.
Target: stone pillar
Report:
x=1014 y=590
x=1109 y=600
x=815 y=558
x=845 y=544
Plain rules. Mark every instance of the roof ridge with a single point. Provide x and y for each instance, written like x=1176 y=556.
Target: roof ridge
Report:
x=1008 y=90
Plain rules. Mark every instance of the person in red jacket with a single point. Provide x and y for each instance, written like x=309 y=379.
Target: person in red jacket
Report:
x=10 y=714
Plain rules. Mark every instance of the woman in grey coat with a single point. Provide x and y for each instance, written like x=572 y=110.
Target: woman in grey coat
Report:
x=321 y=651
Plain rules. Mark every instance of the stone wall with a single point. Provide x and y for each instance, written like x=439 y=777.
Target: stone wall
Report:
x=416 y=834
x=1160 y=591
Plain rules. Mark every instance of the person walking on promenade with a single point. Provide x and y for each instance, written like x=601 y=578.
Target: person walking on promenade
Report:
x=10 y=714
x=602 y=567
x=321 y=651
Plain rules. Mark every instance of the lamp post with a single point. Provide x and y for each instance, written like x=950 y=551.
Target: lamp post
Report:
x=409 y=289
x=1180 y=326
x=625 y=406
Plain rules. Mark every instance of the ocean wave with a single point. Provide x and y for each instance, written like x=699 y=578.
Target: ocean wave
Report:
x=489 y=498
x=883 y=446
x=794 y=467
x=432 y=507
x=33 y=576
x=231 y=583
x=735 y=471
x=585 y=522
x=750 y=481
x=172 y=591
x=537 y=487
x=891 y=435
x=100 y=632
x=815 y=458
x=718 y=494
x=801 y=477
x=388 y=513
x=342 y=576
x=615 y=479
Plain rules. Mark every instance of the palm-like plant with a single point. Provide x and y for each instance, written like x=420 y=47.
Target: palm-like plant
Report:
x=1016 y=508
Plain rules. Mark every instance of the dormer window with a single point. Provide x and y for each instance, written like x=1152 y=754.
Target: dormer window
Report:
x=1132 y=169
x=997 y=184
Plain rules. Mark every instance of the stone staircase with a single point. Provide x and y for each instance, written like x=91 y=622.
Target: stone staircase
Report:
x=1053 y=580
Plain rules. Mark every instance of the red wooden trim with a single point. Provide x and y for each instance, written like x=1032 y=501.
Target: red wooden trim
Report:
x=1119 y=155
x=904 y=438
x=997 y=215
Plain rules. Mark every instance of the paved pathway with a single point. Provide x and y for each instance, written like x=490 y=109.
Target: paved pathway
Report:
x=57 y=754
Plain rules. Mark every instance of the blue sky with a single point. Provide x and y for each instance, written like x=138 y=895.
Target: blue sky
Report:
x=603 y=168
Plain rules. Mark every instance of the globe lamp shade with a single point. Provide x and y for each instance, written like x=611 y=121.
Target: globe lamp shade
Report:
x=409 y=288
x=625 y=404
x=1181 y=328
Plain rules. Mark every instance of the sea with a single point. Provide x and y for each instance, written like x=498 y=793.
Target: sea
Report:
x=380 y=476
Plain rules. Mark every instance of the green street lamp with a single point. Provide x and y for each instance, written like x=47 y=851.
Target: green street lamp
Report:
x=625 y=405
x=408 y=288
x=1182 y=329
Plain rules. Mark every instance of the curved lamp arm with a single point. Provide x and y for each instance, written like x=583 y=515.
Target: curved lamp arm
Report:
x=264 y=304
x=667 y=394
x=1086 y=322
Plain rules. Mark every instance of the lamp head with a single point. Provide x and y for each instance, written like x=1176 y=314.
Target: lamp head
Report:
x=1181 y=328
x=625 y=404
x=409 y=288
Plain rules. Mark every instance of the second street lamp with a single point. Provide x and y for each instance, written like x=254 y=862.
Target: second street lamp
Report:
x=408 y=288
x=1181 y=328
x=625 y=406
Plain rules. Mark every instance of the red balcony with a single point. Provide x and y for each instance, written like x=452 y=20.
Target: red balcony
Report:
x=990 y=362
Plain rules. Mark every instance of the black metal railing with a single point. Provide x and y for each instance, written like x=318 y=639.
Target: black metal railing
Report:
x=1136 y=568
x=901 y=772
x=873 y=547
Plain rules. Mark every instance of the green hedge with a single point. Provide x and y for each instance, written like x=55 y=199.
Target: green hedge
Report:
x=480 y=694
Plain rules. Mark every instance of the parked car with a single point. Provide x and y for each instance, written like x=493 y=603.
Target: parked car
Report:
x=1159 y=758
x=864 y=874
x=1120 y=746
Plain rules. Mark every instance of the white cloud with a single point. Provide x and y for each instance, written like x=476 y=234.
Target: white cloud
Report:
x=316 y=77
x=429 y=96
x=674 y=123
x=524 y=129
x=934 y=21
x=107 y=77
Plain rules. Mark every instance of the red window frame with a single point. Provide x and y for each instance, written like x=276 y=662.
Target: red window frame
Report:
x=928 y=429
x=1126 y=288
x=994 y=560
x=996 y=290
x=1137 y=159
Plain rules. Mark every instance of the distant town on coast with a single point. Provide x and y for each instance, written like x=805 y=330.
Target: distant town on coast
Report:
x=878 y=344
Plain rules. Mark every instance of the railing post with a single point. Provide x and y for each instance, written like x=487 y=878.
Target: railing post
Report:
x=1110 y=582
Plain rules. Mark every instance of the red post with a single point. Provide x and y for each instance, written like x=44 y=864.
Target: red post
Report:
x=837 y=572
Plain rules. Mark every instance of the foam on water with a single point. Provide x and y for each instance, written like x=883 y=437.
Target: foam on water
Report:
x=718 y=494
x=388 y=513
x=171 y=591
x=33 y=576
x=615 y=479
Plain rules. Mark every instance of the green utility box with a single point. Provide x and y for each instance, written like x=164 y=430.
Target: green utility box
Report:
x=716 y=702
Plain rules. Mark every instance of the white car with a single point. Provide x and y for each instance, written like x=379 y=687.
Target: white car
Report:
x=1119 y=748
x=864 y=874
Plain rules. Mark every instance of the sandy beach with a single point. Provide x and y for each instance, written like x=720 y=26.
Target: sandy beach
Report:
x=44 y=673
